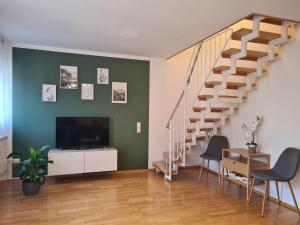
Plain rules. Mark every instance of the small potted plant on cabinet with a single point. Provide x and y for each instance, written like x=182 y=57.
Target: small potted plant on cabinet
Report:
x=33 y=169
x=250 y=133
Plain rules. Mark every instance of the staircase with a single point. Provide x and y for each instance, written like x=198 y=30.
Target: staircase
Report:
x=223 y=69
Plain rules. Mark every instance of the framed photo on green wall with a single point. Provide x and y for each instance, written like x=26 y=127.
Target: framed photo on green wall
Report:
x=102 y=75
x=68 y=77
x=49 y=93
x=119 y=92
x=87 y=91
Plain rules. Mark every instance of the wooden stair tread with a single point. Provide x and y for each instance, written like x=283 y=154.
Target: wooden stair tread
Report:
x=188 y=140
x=174 y=160
x=191 y=130
x=219 y=109
x=264 y=37
x=198 y=109
x=204 y=97
x=230 y=85
x=213 y=109
x=270 y=20
x=251 y=55
x=206 y=128
x=210 y=84
x=194 y=120
x=212 y=119
x=239 y=70
x=275 y=21
x=235 y=85
x=162 y=166
x=200 y=137
x=227 y=96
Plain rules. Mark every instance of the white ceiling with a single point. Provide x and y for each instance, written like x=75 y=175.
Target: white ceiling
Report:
x=153 y=28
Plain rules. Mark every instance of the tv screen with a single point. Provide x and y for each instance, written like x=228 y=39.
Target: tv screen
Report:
x=82 y=132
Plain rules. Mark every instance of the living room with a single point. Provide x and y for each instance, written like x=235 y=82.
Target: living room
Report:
x=149 y=112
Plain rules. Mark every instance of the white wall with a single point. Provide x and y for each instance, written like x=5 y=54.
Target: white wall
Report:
x=277 y=100
x=6 y=143
x=158 y=112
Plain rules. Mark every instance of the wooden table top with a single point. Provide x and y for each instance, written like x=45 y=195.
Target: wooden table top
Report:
x=245 y=152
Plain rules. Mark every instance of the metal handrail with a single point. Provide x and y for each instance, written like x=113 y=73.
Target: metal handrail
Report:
x=206 y=77
x=210 y=72
x=187 y=80
x=192 y=69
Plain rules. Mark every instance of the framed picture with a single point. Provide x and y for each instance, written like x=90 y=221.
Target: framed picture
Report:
x=49 y=93
x=68 y=77
x=102 y=75
x=87 y=91
x=119 y=92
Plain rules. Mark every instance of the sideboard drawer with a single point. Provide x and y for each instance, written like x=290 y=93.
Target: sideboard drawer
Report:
x=235 y=166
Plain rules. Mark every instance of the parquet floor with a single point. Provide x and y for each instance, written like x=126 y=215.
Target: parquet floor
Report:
x=135 y=199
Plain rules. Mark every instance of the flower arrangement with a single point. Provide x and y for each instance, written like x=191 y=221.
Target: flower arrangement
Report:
x=250 y=130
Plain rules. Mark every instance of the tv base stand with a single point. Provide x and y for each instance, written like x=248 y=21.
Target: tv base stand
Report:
x=82 y=161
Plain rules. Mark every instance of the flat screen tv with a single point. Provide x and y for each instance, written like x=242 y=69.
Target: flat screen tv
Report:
x=82 y=132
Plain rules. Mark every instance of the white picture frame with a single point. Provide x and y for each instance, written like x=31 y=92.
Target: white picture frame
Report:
x=102 y=76
x=68 y=77
x=49 y=93
x=87 y=91
x=119 y=92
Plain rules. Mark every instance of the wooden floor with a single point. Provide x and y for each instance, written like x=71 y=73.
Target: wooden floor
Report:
x=137 y=199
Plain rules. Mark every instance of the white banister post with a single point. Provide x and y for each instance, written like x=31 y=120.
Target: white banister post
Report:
x=184 y=125
x=170 y=148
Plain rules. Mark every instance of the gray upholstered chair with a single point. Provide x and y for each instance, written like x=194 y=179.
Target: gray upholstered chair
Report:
x=214 y=152
x=284 y=171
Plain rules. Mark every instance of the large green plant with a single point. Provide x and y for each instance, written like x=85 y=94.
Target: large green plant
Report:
x=33 y=168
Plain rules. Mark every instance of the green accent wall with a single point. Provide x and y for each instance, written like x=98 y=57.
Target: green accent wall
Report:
x=34 y=120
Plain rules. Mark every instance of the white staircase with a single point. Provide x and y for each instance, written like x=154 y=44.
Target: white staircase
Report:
x=222 y=70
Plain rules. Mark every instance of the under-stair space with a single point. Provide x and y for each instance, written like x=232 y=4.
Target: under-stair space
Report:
x=223 y=69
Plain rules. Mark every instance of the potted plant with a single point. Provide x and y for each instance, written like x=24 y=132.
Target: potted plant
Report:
x=33 y=169
x=250 y=133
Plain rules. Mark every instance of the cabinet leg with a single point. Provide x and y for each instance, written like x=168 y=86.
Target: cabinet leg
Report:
x=251 y=189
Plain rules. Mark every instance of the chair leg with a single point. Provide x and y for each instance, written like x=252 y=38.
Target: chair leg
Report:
x=219 y=173
x=264 y=200
x=251 y=189
x=207 y=168
x=199 y=177
x=294 y=198
x=277 y=189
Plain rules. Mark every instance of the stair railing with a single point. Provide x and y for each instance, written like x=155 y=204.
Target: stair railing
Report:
x=204 y=57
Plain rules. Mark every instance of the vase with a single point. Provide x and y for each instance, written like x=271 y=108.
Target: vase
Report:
x=252 y=148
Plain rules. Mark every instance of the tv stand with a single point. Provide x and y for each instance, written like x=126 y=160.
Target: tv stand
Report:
x=82 y=161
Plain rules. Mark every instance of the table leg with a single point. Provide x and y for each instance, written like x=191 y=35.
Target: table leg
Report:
x=248 y=182
x=222 y=183
x=268 y=190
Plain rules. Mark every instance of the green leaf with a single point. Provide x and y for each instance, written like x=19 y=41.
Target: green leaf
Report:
x=15 y=155
x=33 y=168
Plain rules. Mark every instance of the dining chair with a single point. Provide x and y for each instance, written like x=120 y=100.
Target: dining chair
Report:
x=284 y=171
x=214 y=152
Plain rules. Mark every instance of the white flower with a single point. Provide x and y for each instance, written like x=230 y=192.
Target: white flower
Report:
x=251 y=128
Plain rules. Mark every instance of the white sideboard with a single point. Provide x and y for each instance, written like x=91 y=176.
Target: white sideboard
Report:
x=82 y=161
